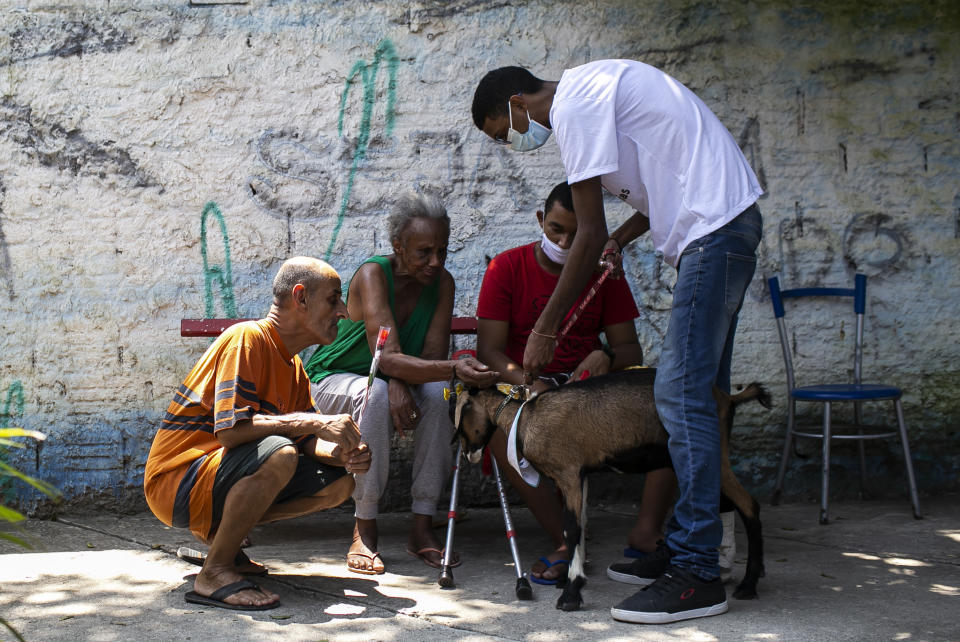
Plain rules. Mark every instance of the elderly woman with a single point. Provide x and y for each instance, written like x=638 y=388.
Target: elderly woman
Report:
x=411 y=292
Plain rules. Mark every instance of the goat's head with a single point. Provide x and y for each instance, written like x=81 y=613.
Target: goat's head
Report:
x=474 y=427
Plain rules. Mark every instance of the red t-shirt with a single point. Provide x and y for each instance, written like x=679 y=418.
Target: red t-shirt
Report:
x=516 y=289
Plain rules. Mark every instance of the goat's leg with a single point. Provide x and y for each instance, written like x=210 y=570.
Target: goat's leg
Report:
x=749 y=511
x=747 y=589
x=733 y=490
x=571 y=599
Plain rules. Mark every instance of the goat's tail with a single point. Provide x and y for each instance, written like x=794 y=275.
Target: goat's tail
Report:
x=754 y=391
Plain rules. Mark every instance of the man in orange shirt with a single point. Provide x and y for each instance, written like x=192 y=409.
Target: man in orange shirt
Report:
x=241 y=443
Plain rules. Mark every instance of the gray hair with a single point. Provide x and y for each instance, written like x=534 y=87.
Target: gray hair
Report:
x=307 y=271
x=412 y=205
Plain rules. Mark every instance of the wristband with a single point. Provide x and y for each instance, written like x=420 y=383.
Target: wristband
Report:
x=545 y=336
x=619 y=247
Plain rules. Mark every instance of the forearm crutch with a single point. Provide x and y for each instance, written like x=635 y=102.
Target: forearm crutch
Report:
x=446 y=575
x=524 y=590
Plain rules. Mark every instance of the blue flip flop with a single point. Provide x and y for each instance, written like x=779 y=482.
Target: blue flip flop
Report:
x=553 y=582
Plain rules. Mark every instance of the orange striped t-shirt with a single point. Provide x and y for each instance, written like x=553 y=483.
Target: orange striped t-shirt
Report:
x=246 y=371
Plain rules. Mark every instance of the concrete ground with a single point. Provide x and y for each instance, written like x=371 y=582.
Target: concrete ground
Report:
x=874 y=573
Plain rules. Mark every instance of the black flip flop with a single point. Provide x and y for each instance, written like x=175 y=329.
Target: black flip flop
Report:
x=216 y=598
x=195 y=557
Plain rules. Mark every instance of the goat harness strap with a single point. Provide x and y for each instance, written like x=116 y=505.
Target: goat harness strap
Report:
x=517 y=391
x=521 y=465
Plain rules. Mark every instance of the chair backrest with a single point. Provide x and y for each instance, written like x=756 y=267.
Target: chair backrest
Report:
x=859 y=295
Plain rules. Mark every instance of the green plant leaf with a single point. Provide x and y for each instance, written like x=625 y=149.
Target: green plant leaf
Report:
x=12 y=630
x=10 y=515
x=15 y=540
x=42 y=486
x=6 y=433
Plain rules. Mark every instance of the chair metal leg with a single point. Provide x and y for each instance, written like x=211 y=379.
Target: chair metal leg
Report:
x=785 y=459
x=862 y=448
x=911 y=480
x=825 y=470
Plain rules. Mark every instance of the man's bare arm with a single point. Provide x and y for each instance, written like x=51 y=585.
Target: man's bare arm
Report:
x=339 y=429
x=492 y=335
x=634 y=227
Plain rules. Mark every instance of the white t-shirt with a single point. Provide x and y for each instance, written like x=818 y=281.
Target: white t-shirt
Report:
x=655 y=145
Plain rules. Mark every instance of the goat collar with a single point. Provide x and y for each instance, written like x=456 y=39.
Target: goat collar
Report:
x=516 y=392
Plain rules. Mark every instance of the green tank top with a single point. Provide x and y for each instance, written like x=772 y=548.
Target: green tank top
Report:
x=350 y=352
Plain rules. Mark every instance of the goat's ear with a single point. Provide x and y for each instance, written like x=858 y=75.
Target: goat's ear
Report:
x=462 y=401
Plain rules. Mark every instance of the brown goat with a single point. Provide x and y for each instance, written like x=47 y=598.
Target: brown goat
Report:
x=606 y=420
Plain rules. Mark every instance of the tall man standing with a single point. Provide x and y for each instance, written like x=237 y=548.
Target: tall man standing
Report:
x=633 y=130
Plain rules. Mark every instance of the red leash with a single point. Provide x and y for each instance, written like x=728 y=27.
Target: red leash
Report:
x=586 y=299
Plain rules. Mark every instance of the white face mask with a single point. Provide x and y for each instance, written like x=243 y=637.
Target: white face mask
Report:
x=535 y=136
x=553 y=251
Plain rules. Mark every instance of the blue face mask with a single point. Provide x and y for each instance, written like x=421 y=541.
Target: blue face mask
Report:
x=535 y=136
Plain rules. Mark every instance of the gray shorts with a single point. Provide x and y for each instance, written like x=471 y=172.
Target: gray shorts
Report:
x=236 y=463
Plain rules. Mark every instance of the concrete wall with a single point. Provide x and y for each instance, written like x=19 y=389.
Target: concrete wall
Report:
x=158 y=161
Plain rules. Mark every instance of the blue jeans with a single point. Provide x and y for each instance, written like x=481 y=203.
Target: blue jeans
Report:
x=712 y=278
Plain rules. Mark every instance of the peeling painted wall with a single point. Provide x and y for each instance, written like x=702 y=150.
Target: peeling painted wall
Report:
x=159 y=160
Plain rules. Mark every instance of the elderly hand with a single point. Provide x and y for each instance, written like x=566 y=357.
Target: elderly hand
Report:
x=357 y=460
x=474 y=373
x=403 y=409
x=340 y=429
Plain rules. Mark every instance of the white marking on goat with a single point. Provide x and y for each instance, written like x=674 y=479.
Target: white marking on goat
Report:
x=576 y=566
x=580 y=555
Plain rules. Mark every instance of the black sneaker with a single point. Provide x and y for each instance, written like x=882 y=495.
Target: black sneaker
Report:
x=677 y=595
x=642 y=571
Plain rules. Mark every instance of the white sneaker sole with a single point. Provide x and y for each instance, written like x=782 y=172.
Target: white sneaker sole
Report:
x=629 y=578
x=665 y=618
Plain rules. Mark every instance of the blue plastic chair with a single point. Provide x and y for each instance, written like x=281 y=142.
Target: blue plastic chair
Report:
x=828 y=394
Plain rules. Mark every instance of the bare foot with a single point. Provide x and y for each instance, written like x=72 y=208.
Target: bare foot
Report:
x=555 y=571
x=363 y=556
x=422 y=538
x=211 y=579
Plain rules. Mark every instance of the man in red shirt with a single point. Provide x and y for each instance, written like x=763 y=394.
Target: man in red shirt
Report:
x=516 y=287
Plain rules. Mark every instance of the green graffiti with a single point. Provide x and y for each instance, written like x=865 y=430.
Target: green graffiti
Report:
x=222 y=275
x=15 y=399
x=367 y=73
